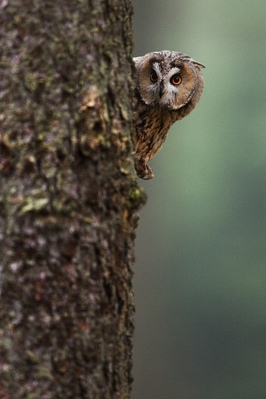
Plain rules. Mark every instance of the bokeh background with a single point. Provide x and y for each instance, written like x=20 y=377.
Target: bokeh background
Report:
x=200 y=275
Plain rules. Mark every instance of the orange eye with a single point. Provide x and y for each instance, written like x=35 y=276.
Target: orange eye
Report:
x=153 y=76
x=176 y=80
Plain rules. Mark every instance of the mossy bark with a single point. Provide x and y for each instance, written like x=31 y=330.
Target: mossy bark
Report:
x=69 y=199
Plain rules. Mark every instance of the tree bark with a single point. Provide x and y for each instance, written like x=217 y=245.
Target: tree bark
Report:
x=69 y=199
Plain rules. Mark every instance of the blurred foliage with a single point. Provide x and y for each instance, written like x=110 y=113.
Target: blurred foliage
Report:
x=200 y=279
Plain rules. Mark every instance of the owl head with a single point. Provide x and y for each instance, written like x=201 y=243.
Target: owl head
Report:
x=169 y=79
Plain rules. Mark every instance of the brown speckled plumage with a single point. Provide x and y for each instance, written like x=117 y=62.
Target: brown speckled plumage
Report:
x=169 y=86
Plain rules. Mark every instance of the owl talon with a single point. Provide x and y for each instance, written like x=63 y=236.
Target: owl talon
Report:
x=144 y=171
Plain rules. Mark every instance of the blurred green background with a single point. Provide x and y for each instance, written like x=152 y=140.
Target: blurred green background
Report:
x=200 y=275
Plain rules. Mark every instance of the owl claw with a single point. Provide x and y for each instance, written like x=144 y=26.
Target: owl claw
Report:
x=144 y=171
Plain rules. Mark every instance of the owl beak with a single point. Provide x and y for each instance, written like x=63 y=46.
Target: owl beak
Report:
x=161 y=91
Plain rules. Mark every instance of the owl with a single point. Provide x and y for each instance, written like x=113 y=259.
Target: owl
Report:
x=169 y=86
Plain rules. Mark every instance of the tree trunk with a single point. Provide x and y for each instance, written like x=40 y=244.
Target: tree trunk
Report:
x=69 y=199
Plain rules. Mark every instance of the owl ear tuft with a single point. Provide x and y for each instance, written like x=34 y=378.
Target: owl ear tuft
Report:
x=197 y=64
x=137 y=59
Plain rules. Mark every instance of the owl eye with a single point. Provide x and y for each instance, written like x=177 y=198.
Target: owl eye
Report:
x=153 y=76
x=176 y=80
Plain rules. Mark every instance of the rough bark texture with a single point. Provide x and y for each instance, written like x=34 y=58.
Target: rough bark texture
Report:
x=68 y=199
